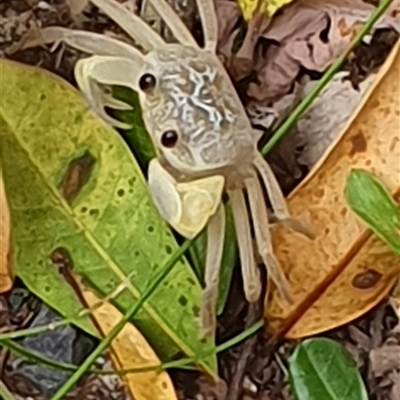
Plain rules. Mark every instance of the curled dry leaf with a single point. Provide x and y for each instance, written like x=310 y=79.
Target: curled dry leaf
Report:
x=346 y=270
x=129 y=350
x=6 y=277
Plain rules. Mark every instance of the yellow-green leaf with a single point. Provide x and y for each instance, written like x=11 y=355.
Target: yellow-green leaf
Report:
x=75 y=190
x=270 y=7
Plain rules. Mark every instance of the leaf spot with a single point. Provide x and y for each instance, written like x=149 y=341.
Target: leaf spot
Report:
x=168 y=249
x=94 y=213
x=367 y=279
x=191 y=281
x=76 y=176
x=196 y=310
x=182 y=300
x=150 y=228
x=359 y=144
x=121 y=192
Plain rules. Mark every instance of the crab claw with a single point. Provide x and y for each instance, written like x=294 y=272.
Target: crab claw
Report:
x=188 y=206
x=92 y=72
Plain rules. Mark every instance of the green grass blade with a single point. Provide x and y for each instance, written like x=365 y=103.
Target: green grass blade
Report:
x=182 y=363
x=5 y=394
x=132 y=311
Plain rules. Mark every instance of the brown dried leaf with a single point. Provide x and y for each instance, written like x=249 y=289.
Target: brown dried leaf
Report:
x=384 y=359
x=346 y=270
x=327 y=116
x=228 y=14
x=310 y=34
x=129 y=350
x=6 y=276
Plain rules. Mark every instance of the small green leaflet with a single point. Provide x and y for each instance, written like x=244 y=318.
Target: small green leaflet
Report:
x=374 y=204
x=320 y=369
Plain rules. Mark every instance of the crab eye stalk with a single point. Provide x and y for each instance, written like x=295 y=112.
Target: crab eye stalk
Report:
x=147 y=82
x=169 y=139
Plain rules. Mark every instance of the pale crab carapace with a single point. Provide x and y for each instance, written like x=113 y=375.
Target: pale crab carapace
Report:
x=197 y=122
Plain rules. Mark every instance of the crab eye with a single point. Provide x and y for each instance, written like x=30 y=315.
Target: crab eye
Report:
x=169 y=139
x=147 y=82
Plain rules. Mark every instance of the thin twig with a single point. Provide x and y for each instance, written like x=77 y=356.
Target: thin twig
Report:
x=235 y=385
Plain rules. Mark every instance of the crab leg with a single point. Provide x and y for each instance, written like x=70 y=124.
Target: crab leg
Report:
x=88 y=42
x=209 y=23
x=277 y=200
x=215 y=246
x=178 y=28
x=106 y=70
x=263 y=237
x=132 y=24
x=250 y=272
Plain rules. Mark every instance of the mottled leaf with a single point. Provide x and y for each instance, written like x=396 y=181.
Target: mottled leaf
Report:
x=52 y=144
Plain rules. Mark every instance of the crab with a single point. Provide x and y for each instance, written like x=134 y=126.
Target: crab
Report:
x=205 y=142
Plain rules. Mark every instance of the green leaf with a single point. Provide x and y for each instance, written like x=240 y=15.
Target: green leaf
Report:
x=198 y=253
x=137 y=138
x=103 y=221
x=321 y=369
x=374 y=204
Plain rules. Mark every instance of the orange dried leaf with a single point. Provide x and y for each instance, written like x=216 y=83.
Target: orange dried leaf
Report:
x=6 y=276
x=129 y=350
x=346 y=270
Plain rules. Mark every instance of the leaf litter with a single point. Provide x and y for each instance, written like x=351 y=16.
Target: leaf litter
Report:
x=261 y=47
x=346 y=270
